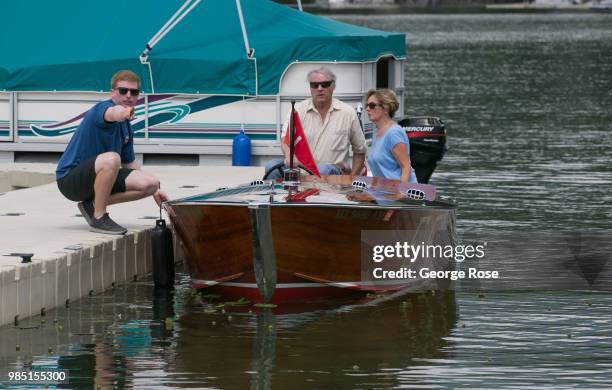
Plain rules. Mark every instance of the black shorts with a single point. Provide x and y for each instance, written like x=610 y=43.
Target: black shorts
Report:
x=78 y=184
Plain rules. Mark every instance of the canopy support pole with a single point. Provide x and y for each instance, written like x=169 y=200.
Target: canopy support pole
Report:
x=249 y=51
x=148 y=64
x=166 y=28
x=173 y=21
x=300 y=5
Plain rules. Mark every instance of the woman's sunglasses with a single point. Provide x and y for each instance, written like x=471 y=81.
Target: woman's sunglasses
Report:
x=123 y=91
x=372 y=106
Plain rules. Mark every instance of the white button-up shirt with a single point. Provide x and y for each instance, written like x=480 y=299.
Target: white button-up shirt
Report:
x=329 y=139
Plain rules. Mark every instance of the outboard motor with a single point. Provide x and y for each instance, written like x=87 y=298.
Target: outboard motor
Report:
x=427 y=136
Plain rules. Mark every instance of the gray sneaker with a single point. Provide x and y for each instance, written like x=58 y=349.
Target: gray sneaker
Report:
x=87 y=210
x=106 y=225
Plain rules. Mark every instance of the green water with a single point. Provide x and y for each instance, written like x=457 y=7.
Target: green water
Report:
x=527 y=99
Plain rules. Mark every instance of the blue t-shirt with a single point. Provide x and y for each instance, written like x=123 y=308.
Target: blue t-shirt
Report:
x=95 y=136
x=381 y=160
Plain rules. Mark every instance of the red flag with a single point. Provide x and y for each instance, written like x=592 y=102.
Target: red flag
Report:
x=300 y=197
x=301 y=148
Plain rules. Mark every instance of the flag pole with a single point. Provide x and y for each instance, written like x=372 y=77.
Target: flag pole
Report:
x=291 y=135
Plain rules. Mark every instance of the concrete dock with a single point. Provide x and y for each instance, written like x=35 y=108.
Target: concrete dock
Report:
x=68 y=260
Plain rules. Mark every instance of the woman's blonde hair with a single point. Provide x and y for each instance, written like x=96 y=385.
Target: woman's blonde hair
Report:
x=386 y=98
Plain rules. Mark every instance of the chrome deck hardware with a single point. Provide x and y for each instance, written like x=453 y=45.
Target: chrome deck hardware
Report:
x=415 y=194
x=359 y=185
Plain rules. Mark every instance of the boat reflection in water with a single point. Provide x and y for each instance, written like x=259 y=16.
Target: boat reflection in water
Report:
x=138 y=336
x=286 y=241
x=343 y=347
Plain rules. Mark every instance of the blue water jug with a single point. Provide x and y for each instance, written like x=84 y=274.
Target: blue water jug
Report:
x=241 y=150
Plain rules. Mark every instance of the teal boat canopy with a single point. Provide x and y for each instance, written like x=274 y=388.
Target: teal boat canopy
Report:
x=76 y=45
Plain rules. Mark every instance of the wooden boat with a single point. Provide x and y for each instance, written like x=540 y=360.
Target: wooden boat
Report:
x=276 y=241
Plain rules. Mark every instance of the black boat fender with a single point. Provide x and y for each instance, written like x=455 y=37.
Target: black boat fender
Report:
x=162 y=252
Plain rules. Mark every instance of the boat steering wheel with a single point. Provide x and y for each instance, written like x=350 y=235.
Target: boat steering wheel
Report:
x=279 y=167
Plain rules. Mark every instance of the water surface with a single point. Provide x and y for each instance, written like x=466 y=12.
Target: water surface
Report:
x=526 y=99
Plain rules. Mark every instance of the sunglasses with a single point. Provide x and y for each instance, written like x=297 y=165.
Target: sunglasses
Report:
x=372 y=106
x=323 y=84
x=123 y=91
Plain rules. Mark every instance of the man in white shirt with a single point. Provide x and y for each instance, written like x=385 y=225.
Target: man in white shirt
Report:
x=331 y=128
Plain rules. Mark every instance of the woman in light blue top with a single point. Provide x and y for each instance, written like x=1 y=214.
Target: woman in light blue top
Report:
x=389 y=154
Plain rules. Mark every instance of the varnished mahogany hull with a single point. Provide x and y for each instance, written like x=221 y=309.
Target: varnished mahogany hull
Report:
x=317 y=247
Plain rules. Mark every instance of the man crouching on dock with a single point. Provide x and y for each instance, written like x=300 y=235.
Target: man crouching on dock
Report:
x=98 y=167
